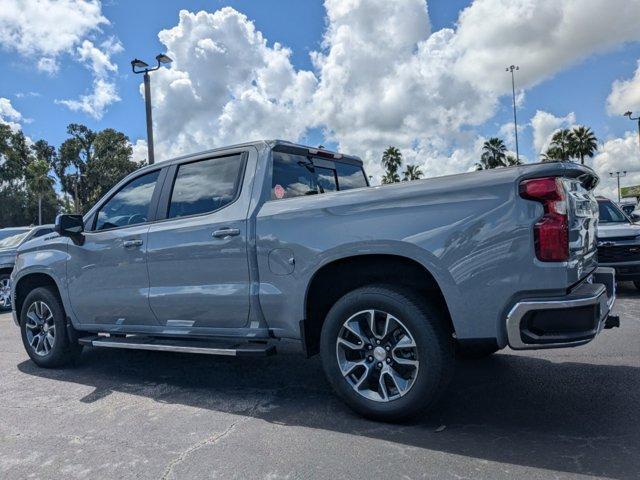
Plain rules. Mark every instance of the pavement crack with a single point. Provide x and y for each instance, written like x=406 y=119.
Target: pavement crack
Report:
x=207 y=441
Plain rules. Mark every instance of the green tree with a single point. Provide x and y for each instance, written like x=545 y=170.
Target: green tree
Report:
x=412 y=172
x=494 y=153
x=25 y=196
x=561 y=146
x=90 y=163
x=511 y=161
x=391 y=161
x=39 y=182
x=584 y=143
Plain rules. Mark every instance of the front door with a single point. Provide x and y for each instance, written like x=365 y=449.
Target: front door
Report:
x=198 y=266
x=107 y=274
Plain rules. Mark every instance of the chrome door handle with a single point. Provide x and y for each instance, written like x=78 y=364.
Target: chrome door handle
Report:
x=132 y=243
x=226 y=232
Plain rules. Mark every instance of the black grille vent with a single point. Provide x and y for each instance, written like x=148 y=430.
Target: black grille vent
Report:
x=619 y=253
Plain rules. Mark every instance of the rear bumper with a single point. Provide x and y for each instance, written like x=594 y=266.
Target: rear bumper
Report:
x=568 y=321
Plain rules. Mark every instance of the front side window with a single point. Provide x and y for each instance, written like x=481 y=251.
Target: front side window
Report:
x=205 y=186
x=130 y=206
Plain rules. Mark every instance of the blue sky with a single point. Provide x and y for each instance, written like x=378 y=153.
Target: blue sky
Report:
x=580 y=85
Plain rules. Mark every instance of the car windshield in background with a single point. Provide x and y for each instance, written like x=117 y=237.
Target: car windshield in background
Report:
x=609 y=213
x=10 y=232
x=13 y=241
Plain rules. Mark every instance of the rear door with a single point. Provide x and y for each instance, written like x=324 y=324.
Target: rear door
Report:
x=198 y=265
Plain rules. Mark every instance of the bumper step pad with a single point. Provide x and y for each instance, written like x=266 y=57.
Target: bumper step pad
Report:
x=207 y=347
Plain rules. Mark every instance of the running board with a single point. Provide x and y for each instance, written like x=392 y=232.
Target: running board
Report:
x=206 y=347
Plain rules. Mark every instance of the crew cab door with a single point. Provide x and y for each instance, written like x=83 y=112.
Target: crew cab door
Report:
x=107 y=274
x=198 y=266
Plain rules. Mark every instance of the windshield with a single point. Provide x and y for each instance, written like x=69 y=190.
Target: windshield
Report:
x=10 y=232
x=14 y=240
x=609 y=213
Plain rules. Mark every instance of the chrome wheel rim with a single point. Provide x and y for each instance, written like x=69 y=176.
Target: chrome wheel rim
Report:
x=40 y=328
x=5 y=293
x=377 y=355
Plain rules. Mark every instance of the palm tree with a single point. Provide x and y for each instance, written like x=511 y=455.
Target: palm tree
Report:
x=390 y=177
x=584 y=143
x=511 y=161
x=412 y=172
x=38 y=181
x=553 y=154
x=562 y=144
x=493 y=154
x=391 y=161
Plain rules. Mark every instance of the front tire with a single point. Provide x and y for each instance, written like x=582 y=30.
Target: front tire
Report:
x=386 y=352
x=43 y=329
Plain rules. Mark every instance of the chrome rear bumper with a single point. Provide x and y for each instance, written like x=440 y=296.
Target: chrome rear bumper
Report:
x=569 y=321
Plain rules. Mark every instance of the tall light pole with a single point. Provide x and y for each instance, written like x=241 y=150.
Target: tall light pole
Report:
x=511 y=68
x=628 y=114
x=138 y=66
x=618 y=175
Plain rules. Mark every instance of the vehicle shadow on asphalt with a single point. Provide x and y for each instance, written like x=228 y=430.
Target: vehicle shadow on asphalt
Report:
x=570 y=417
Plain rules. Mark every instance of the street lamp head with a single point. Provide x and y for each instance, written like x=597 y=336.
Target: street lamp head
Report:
x=627 y=113
x=164 y=59
x=136 y=63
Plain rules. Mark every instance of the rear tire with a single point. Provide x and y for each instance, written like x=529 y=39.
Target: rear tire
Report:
x=402 y=364
x=5 y=292
x=43 y=329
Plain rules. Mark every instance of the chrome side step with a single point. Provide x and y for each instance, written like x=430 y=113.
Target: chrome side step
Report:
x=206 y=347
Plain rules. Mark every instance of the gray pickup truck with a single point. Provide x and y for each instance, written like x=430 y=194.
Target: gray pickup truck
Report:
x=229 y=251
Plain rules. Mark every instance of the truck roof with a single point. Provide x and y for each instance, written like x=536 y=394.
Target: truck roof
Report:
x=321 y=152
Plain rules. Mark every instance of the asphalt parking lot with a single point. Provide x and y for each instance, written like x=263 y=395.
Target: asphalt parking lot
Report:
x=571 y=413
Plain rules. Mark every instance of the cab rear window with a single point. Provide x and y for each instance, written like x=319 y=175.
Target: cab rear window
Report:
x=297 y=175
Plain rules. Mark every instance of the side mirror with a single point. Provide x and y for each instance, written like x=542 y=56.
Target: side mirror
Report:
x=635 y=217
x=70 y=226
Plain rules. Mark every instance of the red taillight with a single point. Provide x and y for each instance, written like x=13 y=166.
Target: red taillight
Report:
x=551 y=232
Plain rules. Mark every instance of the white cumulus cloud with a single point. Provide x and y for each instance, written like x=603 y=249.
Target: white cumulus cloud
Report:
x=625 y=95
x=9 y=115
x=47 y=28
x=226 y=85
x=544 y=125
x=617 y=155
x=104 y=91
x=381 y=77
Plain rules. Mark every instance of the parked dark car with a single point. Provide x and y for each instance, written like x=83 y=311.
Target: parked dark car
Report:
x=8 y=248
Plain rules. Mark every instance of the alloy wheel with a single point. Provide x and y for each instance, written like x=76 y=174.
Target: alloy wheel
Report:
x=40 y=328
x=377 y=355
x=5 y=293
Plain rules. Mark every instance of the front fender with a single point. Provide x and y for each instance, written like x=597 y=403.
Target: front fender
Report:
x=51 y=262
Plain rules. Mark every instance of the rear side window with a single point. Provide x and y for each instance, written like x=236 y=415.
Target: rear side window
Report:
x=297 y=175
x=293 y=176
x=130 y=205
x=205 y=186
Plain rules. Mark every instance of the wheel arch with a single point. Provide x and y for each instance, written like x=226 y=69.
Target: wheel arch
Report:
x=29 y=282
x=336 y=278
